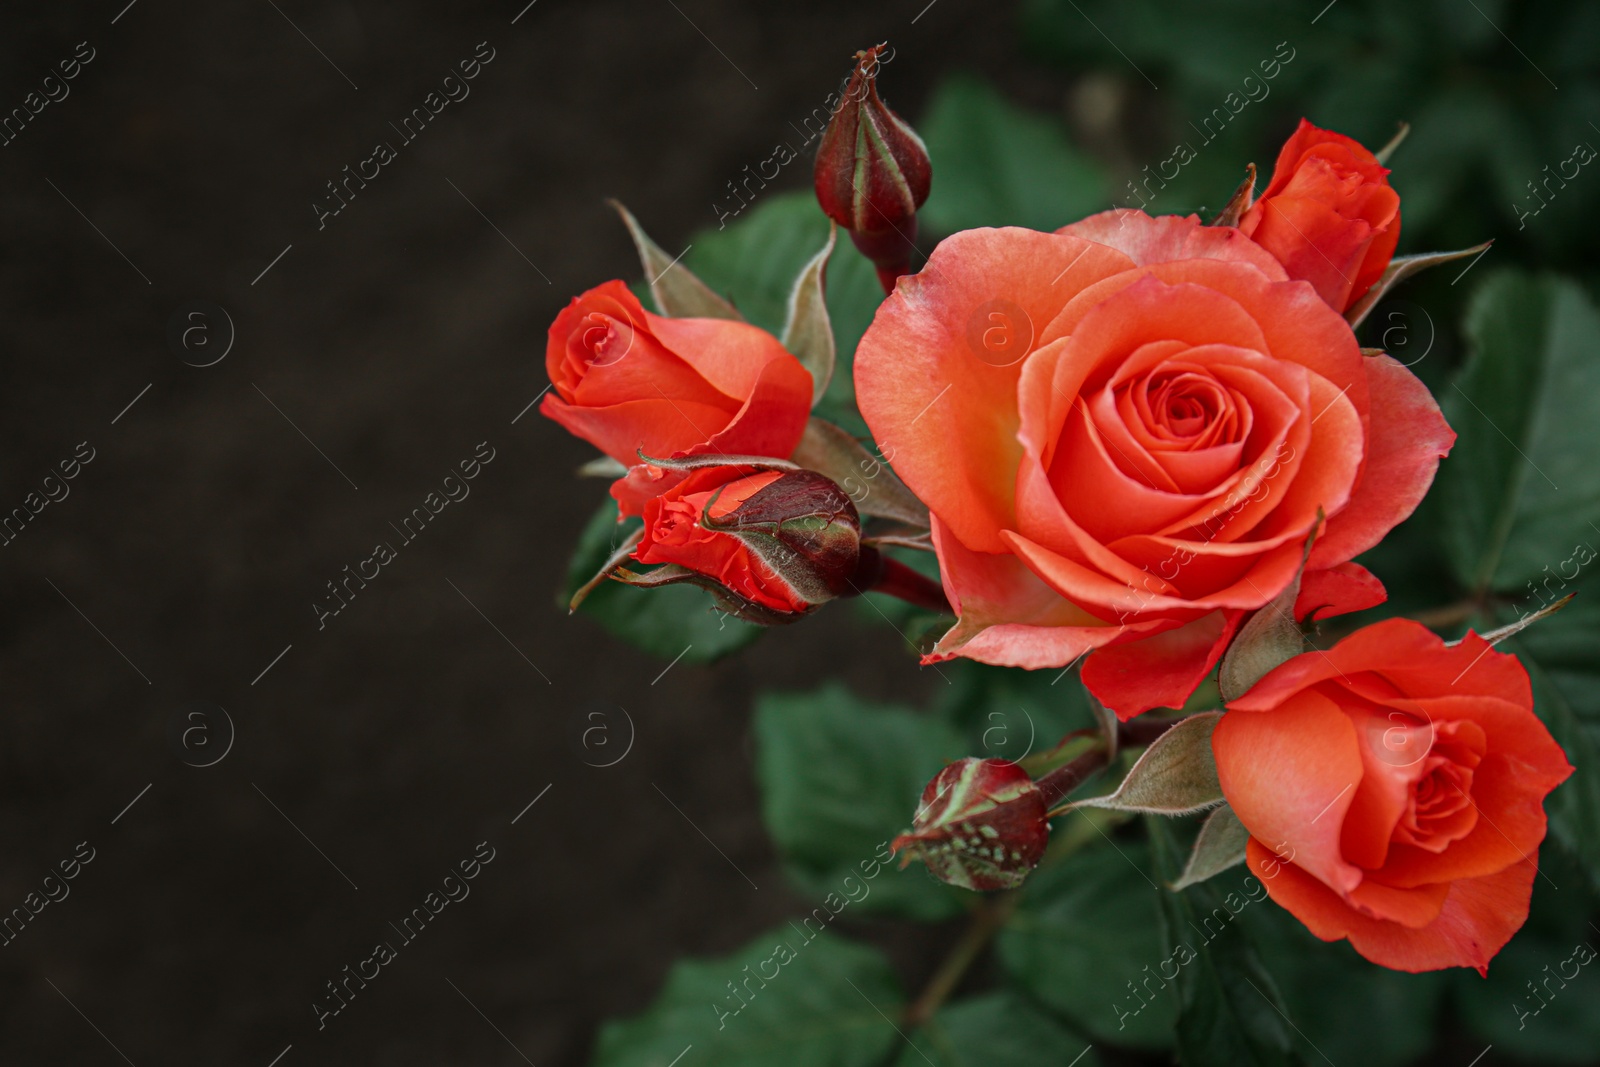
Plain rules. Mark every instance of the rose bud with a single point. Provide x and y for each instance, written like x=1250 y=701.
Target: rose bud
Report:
x=1328 y=215
x=981 y=825
x=770 y=544
x=873 y=172
x=628 y=381
x=1394 y=790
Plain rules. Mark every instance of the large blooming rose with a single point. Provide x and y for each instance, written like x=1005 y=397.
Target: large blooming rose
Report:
x=1393 y=788
x=1328 y=215
x=1125 y=432
x=628 y=381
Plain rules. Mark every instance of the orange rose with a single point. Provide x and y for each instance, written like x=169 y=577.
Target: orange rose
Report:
x=1328 y=214
x=1393 y=788
x=628 y=381
x=1125 y=432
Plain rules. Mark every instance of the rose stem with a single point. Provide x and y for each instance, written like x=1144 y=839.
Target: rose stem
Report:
x=993 y=911
x=990 y=916
x=898 y=580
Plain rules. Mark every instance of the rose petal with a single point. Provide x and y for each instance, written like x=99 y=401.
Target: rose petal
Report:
x=1289 y=775
x=1159 y=671
x=1406 y=438
x=944 y=408
x=1478 y=917
x=1167 y=238
x=1338 y=590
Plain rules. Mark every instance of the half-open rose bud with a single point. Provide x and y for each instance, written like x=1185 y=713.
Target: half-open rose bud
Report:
x=873 y=172
x=770 y=544
x=981 y=825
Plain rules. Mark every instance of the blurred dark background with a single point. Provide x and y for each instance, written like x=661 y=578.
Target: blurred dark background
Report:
x=197 y=540
x=368 y=757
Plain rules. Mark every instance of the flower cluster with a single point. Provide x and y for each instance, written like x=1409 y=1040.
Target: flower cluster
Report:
x=1149 y=445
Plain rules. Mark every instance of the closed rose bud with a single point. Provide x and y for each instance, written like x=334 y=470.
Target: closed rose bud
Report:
x=873 y=172
x=981 y=825
x=771 y=544
x=1328 y=215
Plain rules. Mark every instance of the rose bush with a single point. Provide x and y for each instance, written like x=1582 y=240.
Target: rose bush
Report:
x=1328 y=215
x=1125 y=432
x=629 y=381
x=1393 y=787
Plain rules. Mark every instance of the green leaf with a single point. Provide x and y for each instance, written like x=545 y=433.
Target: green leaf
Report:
x=1086 y=930
x=755 y=260
x=664 y=622
x=839 y=779
x=1565 y=699
x=996 y=165
x=995 y=1030
x=806 y=999
x=1338 y=1000
x=1221 y=845
x=1176 y=775
x=806 y=329
x=1521 y=485
x=1557 y=954
x=673 y=287
x=1010 y=713
x=1230 y=1009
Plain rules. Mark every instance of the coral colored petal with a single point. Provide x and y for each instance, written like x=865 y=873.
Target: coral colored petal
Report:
x=1406 y=438
x=1166 y=238
x=1412 y=655
x=1338 y=590
x=1289 y=774
x=730 y=355
x=1315 y=244
x=1159 y=671
x=1413 y=907
x=658 y=427
x=1009 y=617
x=773 y=419
x=938 y=386
x=1478 y=917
